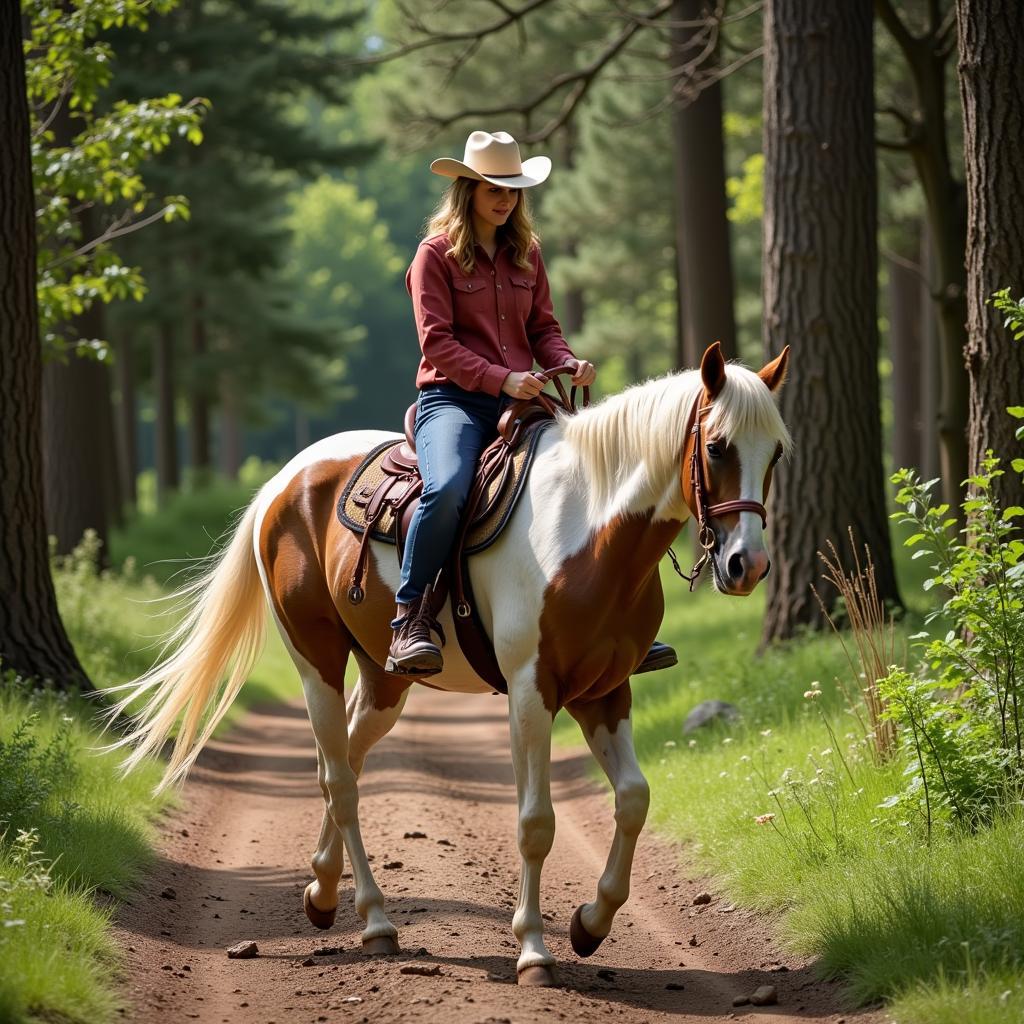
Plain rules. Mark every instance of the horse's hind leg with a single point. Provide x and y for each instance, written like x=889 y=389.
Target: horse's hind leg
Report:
x=606 y=726
x=325 y=702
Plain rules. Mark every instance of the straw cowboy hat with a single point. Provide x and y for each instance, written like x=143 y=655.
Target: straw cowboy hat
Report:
x=494 y=158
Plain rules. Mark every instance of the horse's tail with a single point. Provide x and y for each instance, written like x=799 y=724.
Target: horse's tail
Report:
x=220 y=635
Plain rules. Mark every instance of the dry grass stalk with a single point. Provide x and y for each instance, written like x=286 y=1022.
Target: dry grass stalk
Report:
x=874 y=637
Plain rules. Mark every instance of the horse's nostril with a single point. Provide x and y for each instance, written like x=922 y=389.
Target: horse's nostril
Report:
x=736 y=566
x=767 y=569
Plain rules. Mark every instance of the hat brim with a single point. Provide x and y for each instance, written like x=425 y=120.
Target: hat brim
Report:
x=534 y=171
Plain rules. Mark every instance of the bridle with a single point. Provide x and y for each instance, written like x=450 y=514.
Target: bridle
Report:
x=705 y=534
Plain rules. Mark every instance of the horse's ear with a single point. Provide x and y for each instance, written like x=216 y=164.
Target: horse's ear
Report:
x=712 y=369
x=774 y=374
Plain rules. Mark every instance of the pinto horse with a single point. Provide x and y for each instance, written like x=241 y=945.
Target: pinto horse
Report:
x=569 y=594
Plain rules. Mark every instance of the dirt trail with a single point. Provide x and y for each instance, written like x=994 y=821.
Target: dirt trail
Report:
x=236 y=857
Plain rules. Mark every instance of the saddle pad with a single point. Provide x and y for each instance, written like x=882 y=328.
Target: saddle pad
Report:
x=482 y=533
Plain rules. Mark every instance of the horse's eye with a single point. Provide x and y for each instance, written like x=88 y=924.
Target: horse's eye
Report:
x=714 y=450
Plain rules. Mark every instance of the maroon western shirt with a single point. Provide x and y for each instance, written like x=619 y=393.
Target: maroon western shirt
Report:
x=475 y=329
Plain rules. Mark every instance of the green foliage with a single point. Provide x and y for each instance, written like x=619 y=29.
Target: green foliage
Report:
x=69 y=826
x=1013 y=321
x=962 y=715
x=84 y=161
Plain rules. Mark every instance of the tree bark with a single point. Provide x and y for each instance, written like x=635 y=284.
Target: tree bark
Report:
x=230 y=432
x=199 y=398
x=75 y=465
x=127 y=440
x=991 y=58
x=930 y=363
x=33 y=641
x=905 y=351
x=945 y=204
x=573 y=308
x=703 y=251
x=167 y=474
x=820 y=295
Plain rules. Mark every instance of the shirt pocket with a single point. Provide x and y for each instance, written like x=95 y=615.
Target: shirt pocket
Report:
x=469 y=291
x=522 y=288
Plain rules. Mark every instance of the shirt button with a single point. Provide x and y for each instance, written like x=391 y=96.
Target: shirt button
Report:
x=502 y=316
x=499 y=287
x=492 y=273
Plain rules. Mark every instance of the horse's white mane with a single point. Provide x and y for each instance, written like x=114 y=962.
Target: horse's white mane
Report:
x=631 y=443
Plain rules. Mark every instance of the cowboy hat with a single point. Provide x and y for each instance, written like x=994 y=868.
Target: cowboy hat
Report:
x=494 y=158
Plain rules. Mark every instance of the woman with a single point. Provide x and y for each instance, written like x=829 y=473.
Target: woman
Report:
x=483 y=314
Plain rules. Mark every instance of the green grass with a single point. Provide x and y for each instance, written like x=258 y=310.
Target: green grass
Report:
x=72 y=828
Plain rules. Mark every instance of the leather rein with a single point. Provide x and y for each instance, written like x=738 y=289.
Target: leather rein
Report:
x=705 y=534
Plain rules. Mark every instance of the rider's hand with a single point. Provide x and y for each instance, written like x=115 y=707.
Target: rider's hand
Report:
x=585 y=373
x=522 y=385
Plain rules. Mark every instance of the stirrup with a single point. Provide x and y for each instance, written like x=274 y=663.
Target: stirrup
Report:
x=658 y=657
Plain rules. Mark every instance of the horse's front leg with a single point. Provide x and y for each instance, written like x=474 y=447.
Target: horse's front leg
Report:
x=606 y=725
x=530 y=728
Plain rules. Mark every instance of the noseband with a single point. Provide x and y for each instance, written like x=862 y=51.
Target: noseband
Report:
x=705 y=534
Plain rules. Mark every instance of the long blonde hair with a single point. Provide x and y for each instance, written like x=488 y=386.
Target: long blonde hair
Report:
x=454 y=216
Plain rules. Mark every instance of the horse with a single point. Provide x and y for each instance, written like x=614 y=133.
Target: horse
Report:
x=569 y=594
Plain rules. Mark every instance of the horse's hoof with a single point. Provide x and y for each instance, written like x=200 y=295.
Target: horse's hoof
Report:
x=538 y=976
x=583 y=943
x=381 y=945
x=320 y=918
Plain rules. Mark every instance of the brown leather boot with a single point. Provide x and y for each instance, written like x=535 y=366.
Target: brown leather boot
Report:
x=413 y=651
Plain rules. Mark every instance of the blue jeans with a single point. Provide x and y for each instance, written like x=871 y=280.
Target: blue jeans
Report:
x=452 y=428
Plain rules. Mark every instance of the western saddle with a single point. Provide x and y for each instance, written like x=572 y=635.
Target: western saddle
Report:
x=384 y=491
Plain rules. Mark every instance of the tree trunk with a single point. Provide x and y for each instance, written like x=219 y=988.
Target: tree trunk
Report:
x=930 y=369
x=905 y=350
x=113 y=473
x=230 y=432
x=572 y=311
x=820 y=294
x=945 y=204
x=74 y=462
x=127 y=440
x=991 y=58
x=199 y=399
x=702 y=228
x=167 y=476
x=33 y=641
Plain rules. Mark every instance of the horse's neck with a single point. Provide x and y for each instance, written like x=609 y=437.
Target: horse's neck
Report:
x=629 y=537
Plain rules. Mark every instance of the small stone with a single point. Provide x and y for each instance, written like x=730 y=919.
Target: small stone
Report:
x=445 y=842
x=421 y=969
x=422 y=951
x=675 y=986
x=309 y=962
x=243 y=951
x=765 y=995
x=741 y=1001
x=328 y=951
x=708 y=711
x=701 y=898
x=352 y=999
x=184 y=832
x=168 y=894
x=693 y=940
x=415 y=835
x=727 y=909
x=393 y=865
